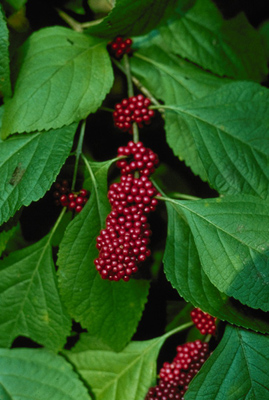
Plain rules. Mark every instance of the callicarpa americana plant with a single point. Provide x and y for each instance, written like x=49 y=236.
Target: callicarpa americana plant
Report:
x=134 y=206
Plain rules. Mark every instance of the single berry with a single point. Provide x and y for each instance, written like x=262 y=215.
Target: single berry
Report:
x=203 y=321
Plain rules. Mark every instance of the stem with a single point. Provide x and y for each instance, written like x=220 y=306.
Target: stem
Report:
x=178 y=329
x=141 y=88
x=75 y=25
x=207 y=338
x=107 y=109
x=130 y=90
x=78 y=152
x=185 y=196
x=57 y=223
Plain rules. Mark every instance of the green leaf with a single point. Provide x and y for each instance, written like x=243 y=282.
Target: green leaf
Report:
x=224 y=138
x=119 y=376
x=5 y=236
x=230 y=48
x=172 y=79
x=29 y=165
x=136 y=17
x=231 y=238
x=29 y=298
x=175 y=81
x=38 y=374
x=237 y=369
x=5 y=88
x=109 y=310
x=264 y=32
x=183 y=269
x=62 y=77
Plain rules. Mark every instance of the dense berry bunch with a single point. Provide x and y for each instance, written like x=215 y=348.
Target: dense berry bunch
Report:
x=72 y=200
x=178 y=374
x=120 y=46
x=203 y=321
x=123 y=244
x=164 y=391
x=133 y=109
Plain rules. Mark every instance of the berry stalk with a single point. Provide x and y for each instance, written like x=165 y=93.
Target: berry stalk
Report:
x=78 y=153
x=130 y=90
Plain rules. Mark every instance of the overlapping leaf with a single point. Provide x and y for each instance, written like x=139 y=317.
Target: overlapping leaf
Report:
x=5 y=88
x=231 y=237
x=183 y=269
x=136 y=17
x=175 y=81
x=110 y=310
x=230 y=48
x=62 y=76
x=38 y=374
x=29 y=298
x=237 y=369
x=119 y=376
x=5 y=235
x=228 y=131
x=29 y=165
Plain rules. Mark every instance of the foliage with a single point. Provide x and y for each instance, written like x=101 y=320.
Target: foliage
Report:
x=206 y=77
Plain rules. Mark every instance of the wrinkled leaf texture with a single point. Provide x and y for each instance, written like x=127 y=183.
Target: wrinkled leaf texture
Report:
x=38 y=374
x=136 y=17
x=183 y=269
x=61 y=76
x=231 y=239
x=230 y=48
x=227 y=132
x=29 y=164
x=237 y=369
x=30 y=300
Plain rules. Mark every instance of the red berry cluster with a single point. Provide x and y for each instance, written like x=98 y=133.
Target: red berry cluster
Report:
x=123 y=243
x=203 y=321
x=133 y=109
x=120 y=46
x=175 y=377
x=64 y=197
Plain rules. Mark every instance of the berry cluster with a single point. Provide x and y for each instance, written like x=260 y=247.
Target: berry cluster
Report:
x=133 y=109
x=120 y=46
x=175 y=377
x=203 y=321
x=123 y=243
x=64 y=197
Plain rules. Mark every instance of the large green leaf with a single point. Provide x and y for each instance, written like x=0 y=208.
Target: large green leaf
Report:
x=237 y=369
x=29 y=298
x=62 y=76
x=38 y=374
x=136 y=17
x=183 y=269
x=5 y=88
x=171 y=78
x=119 y=376
x=228 y=131
x=110 y=310
x=231 y=237
x=175 y=81
x=29 y=165
x=230 y=48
